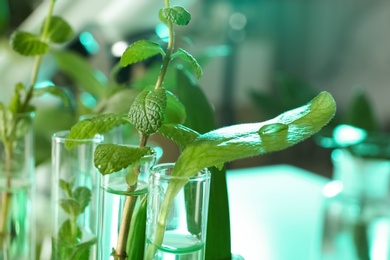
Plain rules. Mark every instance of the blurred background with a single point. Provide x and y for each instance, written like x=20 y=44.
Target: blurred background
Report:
x=260 y=57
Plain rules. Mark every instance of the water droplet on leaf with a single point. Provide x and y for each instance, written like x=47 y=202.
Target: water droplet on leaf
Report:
x=272 y=128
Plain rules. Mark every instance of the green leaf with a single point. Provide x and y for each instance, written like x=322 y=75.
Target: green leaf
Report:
x=55 y=91
x=218 y=239
x=200 y=114
x=83 y=196
x=16 y=102
x=109 y=158
x=71 y=206
x=180 y=134
x=82 y=73
x=200 y=117
x=147 y=111
x=184 y=55
x=360 y=113
x=135 y=241
x=176 y=14
x=65 y=233
x=139 y=51
x=67 y=186
x=175 y=112
x=88 y=128
x=83 y=250
x=67 y=246
x=239 y=141
x=59 y=30
x=246 y=140
x=28 y=44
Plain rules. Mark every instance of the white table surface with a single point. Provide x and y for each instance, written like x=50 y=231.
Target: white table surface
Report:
x=275 y=212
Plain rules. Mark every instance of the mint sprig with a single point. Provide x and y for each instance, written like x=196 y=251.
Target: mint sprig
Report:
x=67 y=244
x=29 y=44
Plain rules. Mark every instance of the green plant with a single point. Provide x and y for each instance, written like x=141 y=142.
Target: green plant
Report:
x=157 y=110
x=69 y=242
x=54 y=31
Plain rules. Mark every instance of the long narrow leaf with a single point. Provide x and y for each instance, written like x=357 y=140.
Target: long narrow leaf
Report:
x=246 y=140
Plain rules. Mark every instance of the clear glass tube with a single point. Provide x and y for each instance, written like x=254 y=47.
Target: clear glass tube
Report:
x=184 y=233
x=74 y=203
x=17 y=219
x=123 y=211
x=356 y=218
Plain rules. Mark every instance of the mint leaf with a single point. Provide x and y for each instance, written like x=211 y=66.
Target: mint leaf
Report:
x=180 y=134
x=83 y=250
x=245 y=140
x=59 y=30
x=66 y=187
x=88 y=128
x=139 y=51
x=83 y=196
x=65 y=234
x=176 y=14
x=71 y=206
x=28 y=44
x=147 y=111
x=15 y=102
x=175 y=112
x=109 y=158
x=184 y=55
x=68 y=246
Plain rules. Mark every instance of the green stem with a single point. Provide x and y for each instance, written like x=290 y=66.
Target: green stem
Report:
x=30 y=91
x=6 y=195
x=128 y=210
x=168 y=53
x=38 y=60
x=73 y=225
x=130 y=201
x=120 y=251
x=170 y=194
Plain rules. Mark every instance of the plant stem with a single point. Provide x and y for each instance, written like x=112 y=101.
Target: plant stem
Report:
x=38 y=60
x=120 y=251
x=168 y=53
x=30 y=91
x=128 y=210
x=6 y=195
x=173 y=188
